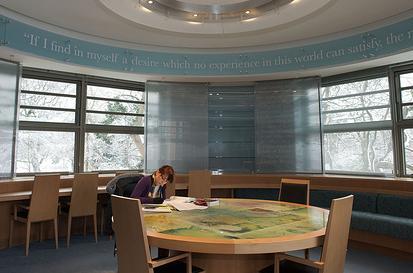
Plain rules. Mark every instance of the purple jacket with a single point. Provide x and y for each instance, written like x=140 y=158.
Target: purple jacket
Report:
x=143 y=188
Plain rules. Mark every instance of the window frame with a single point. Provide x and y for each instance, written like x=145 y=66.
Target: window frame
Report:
x=399 y=123
x=79 y=127
x=387 y=125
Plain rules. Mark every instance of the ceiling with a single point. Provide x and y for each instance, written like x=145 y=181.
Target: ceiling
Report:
x=124 y=22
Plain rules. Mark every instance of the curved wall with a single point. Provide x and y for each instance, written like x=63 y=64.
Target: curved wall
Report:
x=380 y=42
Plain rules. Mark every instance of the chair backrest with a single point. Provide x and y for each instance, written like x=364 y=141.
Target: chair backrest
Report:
x=124 y=184
x=336 y=238
x=131 y=240
x=295 y=191
x=199 y=184
x=84 y=194
x=45 y=198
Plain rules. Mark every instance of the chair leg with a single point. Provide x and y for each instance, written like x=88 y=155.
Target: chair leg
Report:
x=84 y=226
x=276 y=264
x=163 y=253
x=189 y=264
x=56 y=236
x=11 y=232
x=95 y=226
x=307 y=253
x=102 y=218
x=69 y=229
x=41 y=232
x=28 y=225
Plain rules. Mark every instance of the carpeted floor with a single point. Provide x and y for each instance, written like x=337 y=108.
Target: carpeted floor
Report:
x=85 y=256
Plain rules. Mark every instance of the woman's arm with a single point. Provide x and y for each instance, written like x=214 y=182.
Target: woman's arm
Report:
x=142 y=189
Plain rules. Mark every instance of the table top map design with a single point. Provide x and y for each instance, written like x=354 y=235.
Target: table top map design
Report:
x=240 y=219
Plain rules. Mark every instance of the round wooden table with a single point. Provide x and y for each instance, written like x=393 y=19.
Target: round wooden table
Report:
x=238 y=235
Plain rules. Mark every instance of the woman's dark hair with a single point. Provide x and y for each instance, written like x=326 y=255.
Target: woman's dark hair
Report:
x=167 y=171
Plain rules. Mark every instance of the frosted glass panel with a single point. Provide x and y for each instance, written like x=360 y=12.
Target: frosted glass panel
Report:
x=8 y=92
x=288 y=132
x=176 y=126
x=231 y=129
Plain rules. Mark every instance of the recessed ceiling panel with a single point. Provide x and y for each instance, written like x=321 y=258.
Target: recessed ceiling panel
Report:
x=227 y=17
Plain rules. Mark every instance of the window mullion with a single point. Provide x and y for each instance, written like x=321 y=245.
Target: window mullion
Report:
x=82 y=98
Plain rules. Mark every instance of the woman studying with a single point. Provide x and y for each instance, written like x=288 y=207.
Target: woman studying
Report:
x=151 y=188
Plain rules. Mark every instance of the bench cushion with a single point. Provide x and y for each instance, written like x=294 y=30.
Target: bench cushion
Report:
x=397 y=227
x=401 y=206
x=263 y=194
x=362 y=201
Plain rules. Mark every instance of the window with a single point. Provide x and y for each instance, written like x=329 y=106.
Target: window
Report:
x=408 y=150
x=105 y=151
x=47 y=125
x=47 y=101
x=404 y=122
x=114 y=137
x=45 y=151
x=71 y=123
x=356 y=118
x=113 y=106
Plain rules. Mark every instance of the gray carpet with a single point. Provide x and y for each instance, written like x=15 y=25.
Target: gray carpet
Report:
x=85 y=256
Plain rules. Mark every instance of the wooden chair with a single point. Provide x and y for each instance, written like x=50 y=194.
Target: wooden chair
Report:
x=83 y=201
x=43 y=207
x=199 y=184
x=132 y=243
x=105 y=207
x=333 y=255
x=295 y=191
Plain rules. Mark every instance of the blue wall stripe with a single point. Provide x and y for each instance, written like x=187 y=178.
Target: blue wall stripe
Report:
x=383 y=41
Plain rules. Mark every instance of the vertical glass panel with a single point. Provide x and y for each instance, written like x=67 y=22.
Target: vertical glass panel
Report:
x=287 y=126
x=408 y=150
x=45 y=151
x=176 y=126
x=231 y=114
x=8 y=93
x=105 y=151
x=406 y=80
x=363 y=152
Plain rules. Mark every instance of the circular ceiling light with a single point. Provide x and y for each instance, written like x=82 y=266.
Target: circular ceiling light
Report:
x=213 y=11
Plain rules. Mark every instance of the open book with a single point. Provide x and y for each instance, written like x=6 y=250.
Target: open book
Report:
x=156 y=208
x=181 y=203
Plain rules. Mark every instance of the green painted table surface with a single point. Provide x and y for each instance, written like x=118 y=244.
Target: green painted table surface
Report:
x=240 y=219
